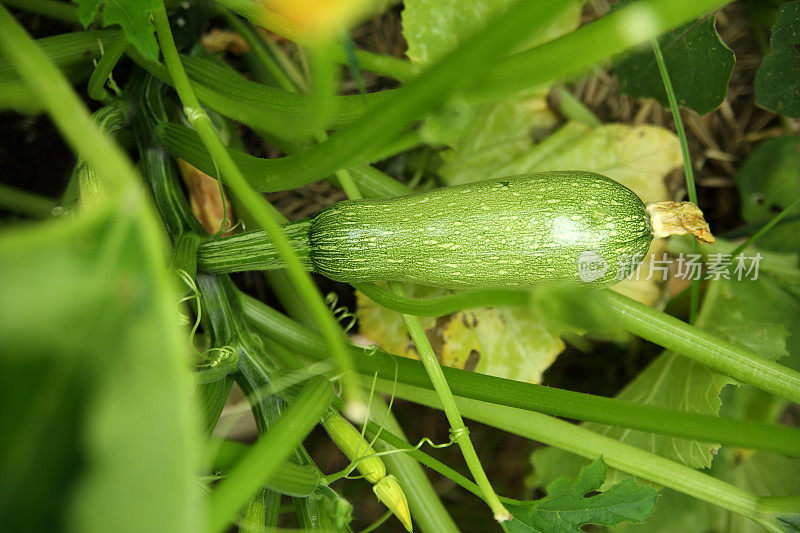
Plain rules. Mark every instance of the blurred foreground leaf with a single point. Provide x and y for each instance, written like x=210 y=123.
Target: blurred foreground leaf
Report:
x=433 y=28
x=570 y=505
x=95 y=420
x=491 y=133
x=778 y=77
x=698 y=61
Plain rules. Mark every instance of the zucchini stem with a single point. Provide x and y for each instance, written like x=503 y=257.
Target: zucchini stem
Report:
x=679 y=218
x=254 y=250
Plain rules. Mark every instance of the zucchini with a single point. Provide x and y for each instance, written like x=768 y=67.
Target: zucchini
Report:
x=568 y=226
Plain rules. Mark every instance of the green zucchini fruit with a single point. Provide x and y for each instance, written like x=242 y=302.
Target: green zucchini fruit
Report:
x=566 y=226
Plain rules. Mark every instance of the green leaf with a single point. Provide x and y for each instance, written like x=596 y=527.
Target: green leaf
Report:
x=768 y=182
x=745 y=312
x=698 y=61
x=742 y=317
x=568 y=505
x=678 y=512
x=489 y=135
x=96 y=415
x=133 y=16
x=434 y=27
x=778 y=77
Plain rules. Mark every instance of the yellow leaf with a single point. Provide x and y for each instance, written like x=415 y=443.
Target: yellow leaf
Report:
x=386 y=328
x=637 y=156
x=509 y=343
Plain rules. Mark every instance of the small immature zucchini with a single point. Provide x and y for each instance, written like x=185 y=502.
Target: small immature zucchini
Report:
x=568 y=226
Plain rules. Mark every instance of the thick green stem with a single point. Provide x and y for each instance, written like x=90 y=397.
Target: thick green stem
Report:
x=49 y=8
x=618 y=455
x=253 y=250
x=256 y=206
x=639 y=319
x=703 y=347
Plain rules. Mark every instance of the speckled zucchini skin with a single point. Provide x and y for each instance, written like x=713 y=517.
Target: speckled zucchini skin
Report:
x=523 y=230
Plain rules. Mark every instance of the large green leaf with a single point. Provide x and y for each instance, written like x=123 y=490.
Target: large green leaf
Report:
x=745 y=313
x=698 y=61
x=95 y=416
x=133 y=16
x=769 y=181
x=778 y=77
x=569 y=505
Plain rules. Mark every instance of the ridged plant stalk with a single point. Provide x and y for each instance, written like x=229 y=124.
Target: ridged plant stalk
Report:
x=266 y=456
x=261 y=211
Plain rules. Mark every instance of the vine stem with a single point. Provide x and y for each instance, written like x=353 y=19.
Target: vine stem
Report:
x=104 y=67
x=644 y=321
x=263 y=213
x=458 y=430
x=703 y=347
x=687 y=160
